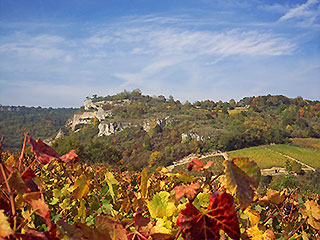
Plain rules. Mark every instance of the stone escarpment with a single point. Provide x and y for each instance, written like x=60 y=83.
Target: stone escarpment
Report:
x=106 y=127
x=87 y=117
x=191 y=136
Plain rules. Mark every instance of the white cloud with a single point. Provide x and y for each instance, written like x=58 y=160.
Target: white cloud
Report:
x=304 y=10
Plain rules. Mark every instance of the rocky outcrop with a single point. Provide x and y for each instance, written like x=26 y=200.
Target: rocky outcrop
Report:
x=191 y=136
x=108 y=129
x=87 y=117
x=60 y=134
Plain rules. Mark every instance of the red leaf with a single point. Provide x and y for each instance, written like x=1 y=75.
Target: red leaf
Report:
x=139 y=220
x=70 y=157
x=45 y=153
x=29 y=174
x=35 y=199
x=205 y=224
x=189 y=191
x=195 y=164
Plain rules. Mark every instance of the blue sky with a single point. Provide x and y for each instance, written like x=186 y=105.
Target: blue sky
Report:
x=55 y=53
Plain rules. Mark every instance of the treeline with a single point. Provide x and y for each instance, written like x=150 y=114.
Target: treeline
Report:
x=38 y=122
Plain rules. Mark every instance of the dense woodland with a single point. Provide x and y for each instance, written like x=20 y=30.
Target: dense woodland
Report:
x=38 y=122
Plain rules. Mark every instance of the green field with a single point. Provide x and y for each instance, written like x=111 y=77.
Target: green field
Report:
x=262 y=156
x=305 y=155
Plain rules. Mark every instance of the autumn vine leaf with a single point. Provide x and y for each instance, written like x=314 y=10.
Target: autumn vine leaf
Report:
x=144 y=182
x=253 y=214
x=255 y=233
x=161 y=206
x=5 y=229
x=46 y=154
x=35 y=199
x=312 y=211
x=242 y=177
x=188 y=191
x=272 y=196
x=82 y=187
x=206 y=223
x=197 y=165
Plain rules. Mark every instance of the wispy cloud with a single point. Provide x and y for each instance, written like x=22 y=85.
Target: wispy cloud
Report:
x=159 y=54
x=308 y=10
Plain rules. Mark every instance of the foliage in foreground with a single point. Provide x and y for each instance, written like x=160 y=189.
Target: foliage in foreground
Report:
x=47 y=196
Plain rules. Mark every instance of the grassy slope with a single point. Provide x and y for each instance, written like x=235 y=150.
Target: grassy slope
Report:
x=308 y=156
x=266 y=158
x=263 y=157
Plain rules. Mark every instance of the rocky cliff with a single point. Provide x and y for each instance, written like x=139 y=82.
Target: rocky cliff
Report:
x=96 y=110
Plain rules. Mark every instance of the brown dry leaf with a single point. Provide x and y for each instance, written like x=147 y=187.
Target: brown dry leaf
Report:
x=272 y=196
x=5 y=229
x=312 y=211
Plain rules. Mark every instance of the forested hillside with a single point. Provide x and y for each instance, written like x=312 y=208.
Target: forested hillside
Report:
x=40 y=122
x=135 y=130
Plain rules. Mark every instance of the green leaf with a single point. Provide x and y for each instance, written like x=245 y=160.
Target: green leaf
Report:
x=54 y=201
x=202 y=200
x=112 y=183
x=161 y=206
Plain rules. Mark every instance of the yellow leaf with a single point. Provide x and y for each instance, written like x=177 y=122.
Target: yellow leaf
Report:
x=272 y=196
x=254 y=215
x=10 y=161
x=162 y=226
x=242 y=176
x=257 y=234
x=144 y=182
x=312 y=211
x=304 y=236
x=5 y=229
x=161 y=206
x=82 y=187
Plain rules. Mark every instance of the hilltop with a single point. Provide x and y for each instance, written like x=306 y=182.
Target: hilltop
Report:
x=137 y=130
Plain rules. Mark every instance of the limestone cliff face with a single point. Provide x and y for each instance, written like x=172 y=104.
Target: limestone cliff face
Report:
x=108 y=129
x=87 y=117
x=96 y=110
x=191 y=136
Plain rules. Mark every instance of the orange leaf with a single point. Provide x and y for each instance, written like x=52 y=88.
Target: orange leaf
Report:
x=195 y=164
x=188 y=191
